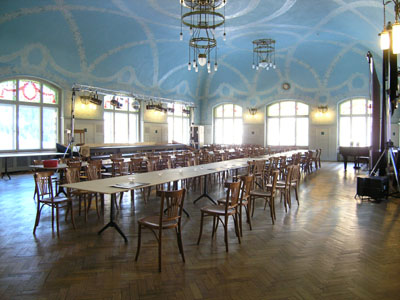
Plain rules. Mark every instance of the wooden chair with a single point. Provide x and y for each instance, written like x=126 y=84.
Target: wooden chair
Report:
x=229 y=208
x=45 y=196
x=169 y=217
x=93 y=172
x=295 y=181
x=267 y=194
x=247 y=184
x=284 y=187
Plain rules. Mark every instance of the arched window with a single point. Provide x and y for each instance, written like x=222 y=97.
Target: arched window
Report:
x=178 y=123
x=228 y=124
x=29 y=115
x=355 y=122
x=121 y=124
x=287 y=124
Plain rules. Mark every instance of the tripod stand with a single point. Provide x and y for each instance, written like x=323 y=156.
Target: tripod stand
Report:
x=388 y=150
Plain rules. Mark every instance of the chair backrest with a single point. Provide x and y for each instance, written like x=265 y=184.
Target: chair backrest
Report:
x=37 y=162
x=121 y=168
x=164 y=163
x=138 y=165
x=275 y=175
x=152 y=164
x=72 y=174
x=289 y=174
x=74 y=163
x=93 y=171
x=246 y=187
x=295 y=173
x=171 y=205
x=115 y=156
x=232 y=194
x=43 y=185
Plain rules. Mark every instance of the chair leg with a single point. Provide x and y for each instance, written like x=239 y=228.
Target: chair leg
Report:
x=72 y=214
x=37 y=217
x=271 y=211
x=214 y=227
x=297 y=193
x=52 y=217
x=248 y=215
x=58 y=225
x=138 y=242
x=179 y=240
x=226 y=233
x=159 y=251
x=201 y=228
x=253 y=204
x=236 y=223
x=240 y=221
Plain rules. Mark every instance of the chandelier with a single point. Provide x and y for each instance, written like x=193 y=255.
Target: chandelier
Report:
x=202 y=19
x=264 y=54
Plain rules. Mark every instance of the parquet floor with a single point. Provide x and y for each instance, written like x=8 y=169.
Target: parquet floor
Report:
x=330 y=247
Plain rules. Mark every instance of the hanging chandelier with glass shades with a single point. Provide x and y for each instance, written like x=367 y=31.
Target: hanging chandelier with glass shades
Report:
x=201 y=17
x=264 y=54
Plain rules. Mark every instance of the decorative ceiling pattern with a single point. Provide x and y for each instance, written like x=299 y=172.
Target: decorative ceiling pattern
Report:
x=134 y=45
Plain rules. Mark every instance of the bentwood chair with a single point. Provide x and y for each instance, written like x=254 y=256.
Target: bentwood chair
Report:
x=284 y=187
x=247 y=184
x=268 y=195
x=45 y=196
x=169 y=217
x=225 y=210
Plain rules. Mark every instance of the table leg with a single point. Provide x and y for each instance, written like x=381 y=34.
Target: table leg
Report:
x=112 y=223
x=5 y=169
x=205 y=194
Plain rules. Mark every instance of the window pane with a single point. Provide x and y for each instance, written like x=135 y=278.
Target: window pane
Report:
x=273 y=131
x=238 y=111
x=170 y=129
x=359 y=131
x=302 y=132
x=228 y=131
x=345 y=133
x=178 y=109
x=123 y=102
x=219 y=111
x=273 y=110
x=288 y=108
x=7 y=127
x=108 y=127
x=302 y=109
x=238 y=131
x=8 y=90
x=50 y=95
x=29 y=91
x=218 y=131
x=107 y=102
x=358 y=107
x=29 y=127
x=287 y=131
x=345 y=108
x=50 y=127
x=178 y=130
x=133 y=128
x=186 y=131
x=121 y=128
x=228 y=110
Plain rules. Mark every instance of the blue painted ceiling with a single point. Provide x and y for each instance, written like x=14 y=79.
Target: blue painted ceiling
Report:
x=134 y=45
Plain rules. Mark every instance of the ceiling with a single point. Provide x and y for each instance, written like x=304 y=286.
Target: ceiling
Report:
x=134 y=45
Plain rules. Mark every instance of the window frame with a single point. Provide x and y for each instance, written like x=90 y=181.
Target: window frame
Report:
x=128 y=112
x=17 y=104
x=368 y=120
x=223 y=118
x=280 y=117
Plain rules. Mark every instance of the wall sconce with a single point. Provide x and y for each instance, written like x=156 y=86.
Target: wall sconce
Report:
x=323 y=109
x=252 y=111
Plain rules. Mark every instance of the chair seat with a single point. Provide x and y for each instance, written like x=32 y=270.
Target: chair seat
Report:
x=217 y=210
x=55 y=200
x=153 y=222
x=260 y=193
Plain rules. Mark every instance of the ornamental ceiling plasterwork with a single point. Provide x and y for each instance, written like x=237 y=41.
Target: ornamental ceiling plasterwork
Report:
x=134 y=45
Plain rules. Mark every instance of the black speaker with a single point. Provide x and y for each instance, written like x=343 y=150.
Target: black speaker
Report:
x=375 y=187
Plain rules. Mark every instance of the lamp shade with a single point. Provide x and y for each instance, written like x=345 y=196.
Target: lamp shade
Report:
x=202 y=59
x=385 y=40
x=396 y=38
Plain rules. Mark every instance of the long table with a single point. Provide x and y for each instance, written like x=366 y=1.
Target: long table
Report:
x=109 y=186
x=24 y=154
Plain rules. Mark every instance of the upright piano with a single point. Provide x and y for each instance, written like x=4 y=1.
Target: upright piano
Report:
x=355 y=152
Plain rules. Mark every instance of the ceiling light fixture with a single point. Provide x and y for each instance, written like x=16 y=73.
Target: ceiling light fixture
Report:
x=264 y=54
x=390 y=35
x=202 y=18
x=252 y=111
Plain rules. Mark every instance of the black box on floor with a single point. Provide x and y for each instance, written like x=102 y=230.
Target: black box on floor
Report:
x=376 y=187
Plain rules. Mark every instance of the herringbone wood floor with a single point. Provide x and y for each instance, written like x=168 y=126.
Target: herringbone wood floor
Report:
x=330 y=247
